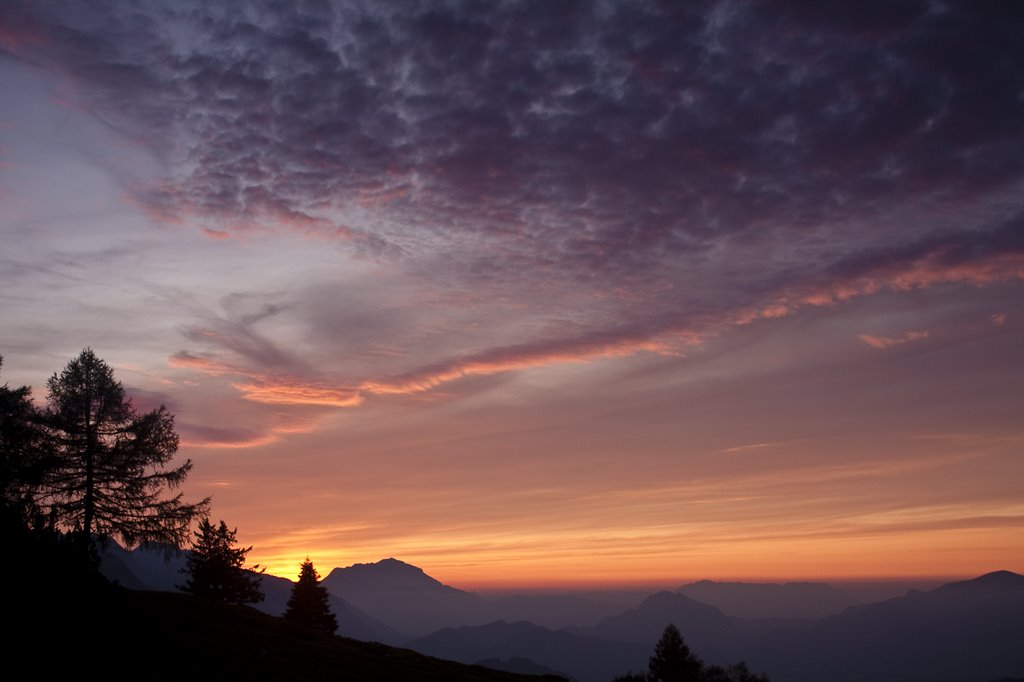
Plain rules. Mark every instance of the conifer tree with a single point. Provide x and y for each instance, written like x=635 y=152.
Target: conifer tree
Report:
x=111 y=475
x=23 y=459
x=216 y=568
x=672 y=660
x=308 y=605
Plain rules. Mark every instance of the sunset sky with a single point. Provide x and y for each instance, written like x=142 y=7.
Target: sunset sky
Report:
x=542 y=293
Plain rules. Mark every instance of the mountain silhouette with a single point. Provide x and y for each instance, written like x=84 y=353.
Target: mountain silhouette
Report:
x=706 y=630
x=585 y=658
x=404 y=597
x=389 y=575
x=553 y=611
x=968 y=630
x=770 y=600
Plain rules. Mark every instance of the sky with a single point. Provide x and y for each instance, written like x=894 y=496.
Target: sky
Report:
x=542 y=293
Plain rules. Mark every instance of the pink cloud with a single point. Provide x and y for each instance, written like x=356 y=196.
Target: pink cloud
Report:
x=890 y=341
x=515 y=358
x=298 y=393
x=929 y=270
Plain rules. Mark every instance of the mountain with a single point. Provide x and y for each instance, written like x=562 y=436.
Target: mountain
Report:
x=552 y=611
x=160 y=569
x=770 y=600
x=404 y=597
x=389 y=575
x=708 y=631
x=585 y=658
x=969 y=630
x=152 y=567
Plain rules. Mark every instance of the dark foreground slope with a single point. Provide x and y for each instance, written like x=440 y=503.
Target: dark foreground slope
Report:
x=119 y=634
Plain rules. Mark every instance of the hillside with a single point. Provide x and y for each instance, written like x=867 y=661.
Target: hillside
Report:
x=124 y=635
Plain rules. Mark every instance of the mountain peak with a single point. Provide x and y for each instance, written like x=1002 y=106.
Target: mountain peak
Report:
x=1002 y=577
x=673 y=600
x=997 y=580
x=386 y=575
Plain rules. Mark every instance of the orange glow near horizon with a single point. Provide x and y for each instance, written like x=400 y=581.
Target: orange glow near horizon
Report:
x=761 y=511
x=875 y=547
x=897 y=557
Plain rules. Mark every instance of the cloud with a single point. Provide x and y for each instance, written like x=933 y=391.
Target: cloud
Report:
x=890 y=341
x=571 y=182
x=204 y=364
x=982 y=258
x=282 y=393
x=974 y=257
x=404 y=127
x=507 y=359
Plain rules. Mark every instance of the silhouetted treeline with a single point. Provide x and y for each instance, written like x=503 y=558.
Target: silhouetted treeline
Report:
x=86 y=467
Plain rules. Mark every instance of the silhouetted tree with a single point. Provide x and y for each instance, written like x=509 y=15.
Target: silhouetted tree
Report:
x=23 y=459
x=672 y=660
x=110 y=474
x=308 y=605
x=216 y=568
x=50 y=567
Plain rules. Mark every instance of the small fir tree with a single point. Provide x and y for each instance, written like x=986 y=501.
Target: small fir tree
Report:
x=672 y=660
x=216 y=568
x=308 y=605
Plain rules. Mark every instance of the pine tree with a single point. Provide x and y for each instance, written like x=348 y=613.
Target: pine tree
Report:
x=216 y=568
x=110 y=474
x=308 y=605
x=23 y=459
x=672 y=660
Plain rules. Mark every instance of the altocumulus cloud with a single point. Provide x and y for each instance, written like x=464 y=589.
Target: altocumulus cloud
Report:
x=626 y=172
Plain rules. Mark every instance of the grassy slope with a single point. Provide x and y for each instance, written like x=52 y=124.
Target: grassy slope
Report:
x=122 y=634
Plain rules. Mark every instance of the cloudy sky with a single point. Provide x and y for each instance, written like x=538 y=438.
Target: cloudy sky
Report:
x=542 y=293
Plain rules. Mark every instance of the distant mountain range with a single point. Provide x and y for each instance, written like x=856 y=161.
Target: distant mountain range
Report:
x=970 y=631
x=581 y=657
x=966 y=631
x=771 y=600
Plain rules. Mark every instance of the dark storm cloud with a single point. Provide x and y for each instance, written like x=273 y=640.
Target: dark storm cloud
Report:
x=610 y=137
